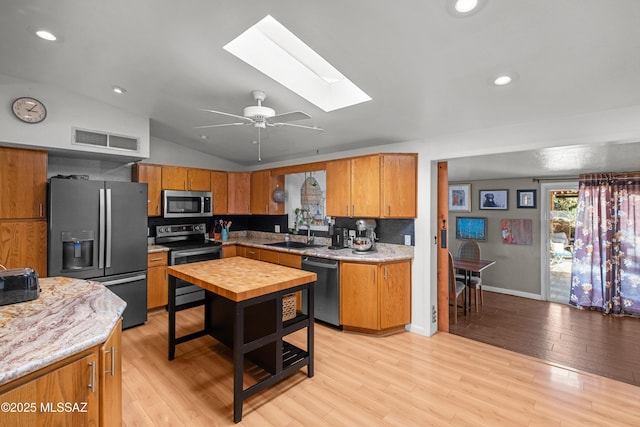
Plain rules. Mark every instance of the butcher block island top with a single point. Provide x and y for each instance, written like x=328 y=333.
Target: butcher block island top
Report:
x=239 y=278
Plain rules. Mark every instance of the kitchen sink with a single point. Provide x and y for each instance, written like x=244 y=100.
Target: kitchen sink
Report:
x=293 y=245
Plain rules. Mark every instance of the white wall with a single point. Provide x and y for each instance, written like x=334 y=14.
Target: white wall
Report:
x=164 y=152
x=66 y=110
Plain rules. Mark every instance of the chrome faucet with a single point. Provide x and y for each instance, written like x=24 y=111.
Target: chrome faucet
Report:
x=310 y=237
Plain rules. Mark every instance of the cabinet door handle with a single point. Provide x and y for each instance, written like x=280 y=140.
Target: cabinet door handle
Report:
x=156 y=259
x=92 y=384
x=385 y=273
x=389 y=210
x=346 y=208
x=40 y=210
x=113 y=362
x=373 y=275
x=353 y=210
x=190 y=184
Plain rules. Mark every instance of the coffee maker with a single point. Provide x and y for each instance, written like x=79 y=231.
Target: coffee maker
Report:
x=365 y=240
x=338 y=237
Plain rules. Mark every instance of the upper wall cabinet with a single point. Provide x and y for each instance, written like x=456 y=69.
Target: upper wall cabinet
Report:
x=189 y=179
x=152 y=175
x=219 y=188
x=263 y=184
x=353 y=187
x=398 y=181
x=239 y=192
x=23 y=183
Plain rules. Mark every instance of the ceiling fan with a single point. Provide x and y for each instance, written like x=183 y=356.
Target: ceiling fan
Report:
x=262 y=117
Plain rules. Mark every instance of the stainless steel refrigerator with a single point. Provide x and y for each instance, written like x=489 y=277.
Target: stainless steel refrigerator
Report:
x=98 y=231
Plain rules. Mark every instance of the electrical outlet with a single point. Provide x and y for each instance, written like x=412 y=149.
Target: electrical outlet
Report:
x=407 y=239
x=277 y=227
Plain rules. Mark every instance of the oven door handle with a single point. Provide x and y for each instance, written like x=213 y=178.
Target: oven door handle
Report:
x=176 y=254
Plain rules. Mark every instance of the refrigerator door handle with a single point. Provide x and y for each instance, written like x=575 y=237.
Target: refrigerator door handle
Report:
x=108 y=210
x=125 y=280
x=101 y=232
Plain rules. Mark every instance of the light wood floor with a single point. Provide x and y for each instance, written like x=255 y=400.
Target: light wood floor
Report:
x=402 y=380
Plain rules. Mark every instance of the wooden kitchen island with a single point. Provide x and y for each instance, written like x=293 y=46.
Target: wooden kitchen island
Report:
x=244 y=310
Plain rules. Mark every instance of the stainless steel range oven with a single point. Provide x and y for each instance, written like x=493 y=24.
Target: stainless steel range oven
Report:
x=188 y=243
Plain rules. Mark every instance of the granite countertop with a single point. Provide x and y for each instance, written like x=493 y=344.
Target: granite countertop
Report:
x=69 y=316
x=385 y=252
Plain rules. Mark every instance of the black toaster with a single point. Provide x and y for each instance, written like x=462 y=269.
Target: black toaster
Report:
x=18 y=285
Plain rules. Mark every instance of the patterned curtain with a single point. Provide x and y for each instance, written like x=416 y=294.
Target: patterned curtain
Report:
x=606 y=264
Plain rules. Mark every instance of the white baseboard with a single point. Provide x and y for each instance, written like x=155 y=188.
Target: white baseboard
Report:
x=512 y=292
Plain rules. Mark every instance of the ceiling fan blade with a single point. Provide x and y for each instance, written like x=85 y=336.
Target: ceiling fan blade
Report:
x=289 y=117
x=221 y=125
x=297 y=126
x=228 y=114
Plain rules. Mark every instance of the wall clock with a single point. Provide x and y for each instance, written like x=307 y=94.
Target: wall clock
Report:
x=29 y=110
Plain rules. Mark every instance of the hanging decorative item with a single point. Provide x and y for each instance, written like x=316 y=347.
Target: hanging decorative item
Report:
x=312 y=201
x=279 y=195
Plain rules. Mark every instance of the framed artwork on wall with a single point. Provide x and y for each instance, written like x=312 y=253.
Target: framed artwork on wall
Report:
x=494 y=199
x=460 y=197
x=527 y=199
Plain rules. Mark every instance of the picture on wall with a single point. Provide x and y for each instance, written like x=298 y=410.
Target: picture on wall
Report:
x=517 y=231
x=494 y=199
x=527 y=199
x=460 y=197
x=474 y=228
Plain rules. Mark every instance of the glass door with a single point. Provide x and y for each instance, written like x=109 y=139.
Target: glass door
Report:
x=558 y=233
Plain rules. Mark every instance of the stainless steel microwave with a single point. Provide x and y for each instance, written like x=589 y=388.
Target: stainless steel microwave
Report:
x=183 y=204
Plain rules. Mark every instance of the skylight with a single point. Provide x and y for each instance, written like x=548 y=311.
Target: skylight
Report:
x=275 y=51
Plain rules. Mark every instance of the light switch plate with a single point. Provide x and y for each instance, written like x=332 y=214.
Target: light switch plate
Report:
x=407 y=239
x=277 y=227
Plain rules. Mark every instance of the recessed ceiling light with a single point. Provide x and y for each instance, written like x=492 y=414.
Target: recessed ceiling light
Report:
x=272 y=49
x=502 y=80
x=204 y=137
x=46 y=35
x=119 y=90
x=465 y=6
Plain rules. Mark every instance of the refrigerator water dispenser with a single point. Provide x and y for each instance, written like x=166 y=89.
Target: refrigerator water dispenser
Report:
x=77 y=250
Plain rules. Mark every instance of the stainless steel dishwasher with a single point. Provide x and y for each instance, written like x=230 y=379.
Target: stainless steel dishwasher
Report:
x=327 y=289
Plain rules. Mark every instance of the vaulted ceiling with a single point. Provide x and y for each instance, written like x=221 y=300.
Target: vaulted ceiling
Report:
x=428 y=71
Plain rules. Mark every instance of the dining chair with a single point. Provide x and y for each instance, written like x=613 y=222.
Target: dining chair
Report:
x=456 y=288
x=469 y=249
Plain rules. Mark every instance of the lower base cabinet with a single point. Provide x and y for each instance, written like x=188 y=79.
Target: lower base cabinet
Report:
x=82 y=390
x=375 y=297
x=157 y=280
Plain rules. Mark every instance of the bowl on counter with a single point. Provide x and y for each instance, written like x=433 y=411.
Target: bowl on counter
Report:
x=362 y=243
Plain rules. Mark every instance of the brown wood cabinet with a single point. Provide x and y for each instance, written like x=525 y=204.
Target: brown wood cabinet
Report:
x=219 y=188
x=24 y=244
x=399 y=183
x=152 y=176
x=93 y=376
x=157 y=280
x=262 y=187
x=182 y=178
x=353 y=187
x=239 y=192
x=375 y=297
x=23 y=183
x=229 y=251
x=75 y=382
x=111 y=379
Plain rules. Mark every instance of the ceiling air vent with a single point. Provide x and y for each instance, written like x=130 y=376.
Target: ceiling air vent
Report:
x=106 y=140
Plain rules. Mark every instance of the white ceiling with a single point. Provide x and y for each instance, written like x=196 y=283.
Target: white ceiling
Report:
x=427 y=71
